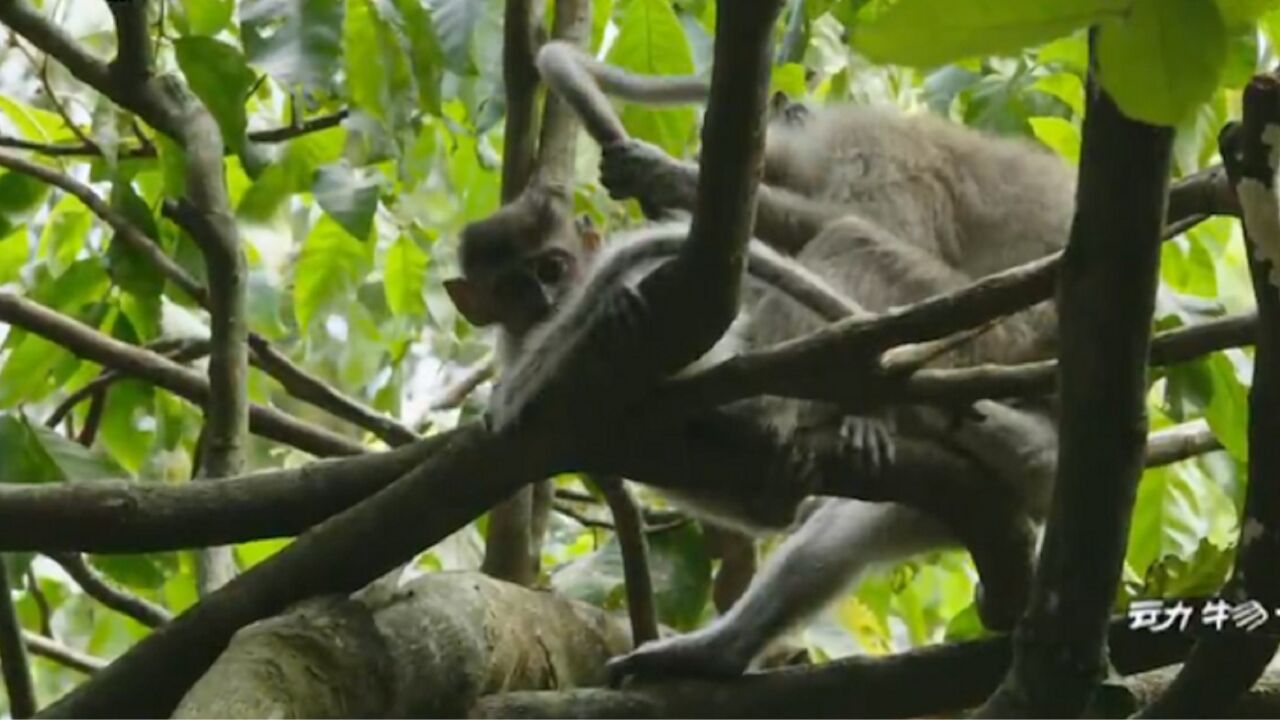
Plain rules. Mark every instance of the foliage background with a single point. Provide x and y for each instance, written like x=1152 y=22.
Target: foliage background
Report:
x=350 y=231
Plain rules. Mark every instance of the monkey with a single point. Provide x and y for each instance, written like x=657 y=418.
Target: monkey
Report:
x=887 y=210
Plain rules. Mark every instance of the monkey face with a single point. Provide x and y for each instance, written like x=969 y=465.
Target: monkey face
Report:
x=519 y=295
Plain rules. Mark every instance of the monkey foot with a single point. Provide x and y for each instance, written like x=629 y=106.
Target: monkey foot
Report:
x=704 y=653
x=870 y=440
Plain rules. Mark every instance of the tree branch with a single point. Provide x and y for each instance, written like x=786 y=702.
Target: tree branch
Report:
x=92 y=345
x=928 y=682
x=50 y=649
x=1106 y=301
x=1221 y=668
x=95 y=585
x=13 y=653
x=630 y=531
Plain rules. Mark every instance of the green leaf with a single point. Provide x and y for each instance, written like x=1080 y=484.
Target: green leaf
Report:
x=14 y=253
x=329 y=268
x=64 y=234
x=1060 y=135
x=145 y=572
x=425 y=53
x=297 y=42
x=1162 y=59
x=927 y=33
x=293 y=172
x=363 y=44
x=652 y=42
x=219 y=75
x=1065 y=86
x=455 y=21
x=35 y=124
x=20 y=197
x=1228 y=409
x=36 y=454
x=123 y=432
x=206 y=17
x=349 y=197
x=127 y=267
x=405 y=277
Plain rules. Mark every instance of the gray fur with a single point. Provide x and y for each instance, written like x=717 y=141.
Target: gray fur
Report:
x=888 y=210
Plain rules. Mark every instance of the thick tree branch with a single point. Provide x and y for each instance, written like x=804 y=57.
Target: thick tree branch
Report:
x=90 y=344
x=520 y=79
x=97 y=586
x=13 y=653
x=935 y=681
x=1221 y=668
x=1106 y=300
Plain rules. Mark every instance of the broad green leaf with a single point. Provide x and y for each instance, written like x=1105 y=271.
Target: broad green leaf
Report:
x=651 y=42
x=1242 y=58
x=33 y=123
x=123 y=431
x=405 y=277
x=293 y=172
x=789 y=79
x=218 y=74
x=425 y=53
x=1168 y=517
x=206 y=17
x=15 y=250
x=297 y=42
x=128 y=268
x=926 y=33
x=147 y=572
x=27 y=373
x=329 y=268
x=348 y=196
x=1060 y=135
x=20 y=197
x=1228 y=410
x=363 y=47
x=1163 y=58
x=64 y=234
x=41 y=455
x=1065 y=86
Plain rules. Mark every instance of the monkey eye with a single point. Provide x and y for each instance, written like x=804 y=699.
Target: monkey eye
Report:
x=550 y=269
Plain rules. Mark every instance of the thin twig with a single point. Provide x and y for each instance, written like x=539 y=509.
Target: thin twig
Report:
x=96 y=586
x=13 y=653
x=51 y=649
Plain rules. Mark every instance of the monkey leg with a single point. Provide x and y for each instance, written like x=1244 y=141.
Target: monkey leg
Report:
x=836 y=542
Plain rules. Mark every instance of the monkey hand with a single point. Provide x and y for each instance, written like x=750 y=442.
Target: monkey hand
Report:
x=708 y=652
x=870 y=440
x=637 y=169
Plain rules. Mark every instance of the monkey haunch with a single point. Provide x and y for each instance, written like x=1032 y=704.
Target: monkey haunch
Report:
x=887 y=210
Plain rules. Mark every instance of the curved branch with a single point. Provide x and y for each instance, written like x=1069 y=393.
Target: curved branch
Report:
x=13 y=653
x=95 y=585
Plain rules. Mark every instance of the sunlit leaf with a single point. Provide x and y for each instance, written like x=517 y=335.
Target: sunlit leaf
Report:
x=926 y=33
x=218 y=74
x=328 y=269
x=1163 y=58
x=14 y=252
x=1058 y=134
x=651 y=42
x=65 y=233
x=206 y=17
x=405 y=276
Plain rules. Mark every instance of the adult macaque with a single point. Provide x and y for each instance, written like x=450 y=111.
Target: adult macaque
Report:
x=883 y=209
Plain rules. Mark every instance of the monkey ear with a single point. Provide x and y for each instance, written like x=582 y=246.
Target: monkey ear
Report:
x=473 y=304
x=588 y=234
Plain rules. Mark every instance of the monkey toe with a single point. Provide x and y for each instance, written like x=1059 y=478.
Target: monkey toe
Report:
x=870 y=440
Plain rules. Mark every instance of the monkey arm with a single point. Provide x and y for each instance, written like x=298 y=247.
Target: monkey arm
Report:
x=636 y=169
